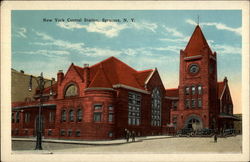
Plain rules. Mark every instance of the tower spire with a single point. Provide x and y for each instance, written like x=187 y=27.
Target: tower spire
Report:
x=198 y=17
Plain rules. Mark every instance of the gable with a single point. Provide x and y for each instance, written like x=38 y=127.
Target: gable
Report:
x=73 y=74
x=155 y=81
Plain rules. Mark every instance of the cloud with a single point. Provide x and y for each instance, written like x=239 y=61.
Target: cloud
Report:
x=57 y=42
x=21 y=32
x=173 y=31
x=49 y=53
x=227 y=49
x=109 y=29
x=218 y=26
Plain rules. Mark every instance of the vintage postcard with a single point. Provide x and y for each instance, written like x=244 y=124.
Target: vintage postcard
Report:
x=125 y=81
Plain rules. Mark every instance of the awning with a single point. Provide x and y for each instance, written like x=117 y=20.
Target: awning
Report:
x=228 y=116
x=51 y=106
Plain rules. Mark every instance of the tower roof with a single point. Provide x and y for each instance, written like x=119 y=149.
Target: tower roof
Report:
x=197 y=43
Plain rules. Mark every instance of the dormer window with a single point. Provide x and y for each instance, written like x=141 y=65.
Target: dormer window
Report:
x=71 y=91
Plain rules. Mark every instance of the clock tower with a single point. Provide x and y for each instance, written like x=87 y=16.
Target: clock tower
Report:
x=197 y=84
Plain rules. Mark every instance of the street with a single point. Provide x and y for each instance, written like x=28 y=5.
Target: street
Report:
x=165 y=145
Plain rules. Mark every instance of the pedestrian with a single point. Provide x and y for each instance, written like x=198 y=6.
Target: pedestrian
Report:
x=133 y=136
x=127 y=135
x=215 y=138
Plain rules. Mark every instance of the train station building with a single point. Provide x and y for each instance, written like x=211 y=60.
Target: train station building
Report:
x=101 y=101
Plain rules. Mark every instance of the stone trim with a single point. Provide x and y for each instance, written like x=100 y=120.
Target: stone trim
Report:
x=30 y=106
x=130 y=88
x=98 y=89
x=193 y=57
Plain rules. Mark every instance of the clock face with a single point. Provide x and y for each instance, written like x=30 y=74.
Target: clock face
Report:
x=193 y=69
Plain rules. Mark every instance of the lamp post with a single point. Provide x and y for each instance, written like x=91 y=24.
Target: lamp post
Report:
x=40 y=83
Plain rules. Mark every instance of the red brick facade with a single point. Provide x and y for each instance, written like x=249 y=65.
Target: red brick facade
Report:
x=198 y=98
x=97 y=102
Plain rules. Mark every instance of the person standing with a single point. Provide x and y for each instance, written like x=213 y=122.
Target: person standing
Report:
x=127 y=135
x=215 y=138
x=133 y=136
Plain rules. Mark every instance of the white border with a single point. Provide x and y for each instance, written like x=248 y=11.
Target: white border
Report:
x=7 y=6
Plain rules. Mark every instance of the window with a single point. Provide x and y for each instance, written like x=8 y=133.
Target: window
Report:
x=97 y=116
x=193 y=103
x=49 y=132
x=110 y=134
x=110 y=117
x=174 y=105
x=63 y=115
x=62 y=132
x=187 y=103
x=199 y=103
x=79 y=115
x=27 y=117
x=17 y=117
x=199 y=89
x=69 y=132
x=156 y=107
x=51 y=116
x=12 y=117
x=78 y=133
x=98 y=107
x=187 y=91
x=193 y=90
x=71 y=115
x=134 y=107
x=71 y=91
x=110 y=108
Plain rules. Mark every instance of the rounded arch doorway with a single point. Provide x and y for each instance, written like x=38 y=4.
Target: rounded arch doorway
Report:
x=194 y=122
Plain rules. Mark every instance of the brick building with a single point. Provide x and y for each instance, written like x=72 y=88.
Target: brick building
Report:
x=200 y=101
x=100 y=101
x=97 y=102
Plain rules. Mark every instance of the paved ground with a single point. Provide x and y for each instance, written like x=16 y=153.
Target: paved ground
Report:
x=163 y=145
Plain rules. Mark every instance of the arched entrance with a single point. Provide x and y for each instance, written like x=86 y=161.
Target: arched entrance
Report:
x=194 y=122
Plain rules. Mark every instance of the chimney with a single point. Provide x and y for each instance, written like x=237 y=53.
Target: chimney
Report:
x=86 y=74
x=60 y=76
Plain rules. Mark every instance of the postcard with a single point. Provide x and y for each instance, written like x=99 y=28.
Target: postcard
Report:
x=125 y=81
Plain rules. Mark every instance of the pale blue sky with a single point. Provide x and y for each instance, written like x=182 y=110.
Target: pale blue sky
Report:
x=154 y=39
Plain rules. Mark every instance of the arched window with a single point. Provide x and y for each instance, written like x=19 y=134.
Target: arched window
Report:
x=71 y=91
x=79 y=115
x=156 y=108
x=71 y=115
x=199 y=89
x=63 y=115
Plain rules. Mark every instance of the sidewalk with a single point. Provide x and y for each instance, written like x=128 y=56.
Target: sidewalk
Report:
x=104 y=142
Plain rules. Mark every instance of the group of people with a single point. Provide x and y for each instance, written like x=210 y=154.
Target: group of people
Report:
x=129 y=134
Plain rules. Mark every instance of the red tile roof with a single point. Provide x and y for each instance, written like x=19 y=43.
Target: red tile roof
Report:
x=112 y=71
x=196 y=43
x=174 y=92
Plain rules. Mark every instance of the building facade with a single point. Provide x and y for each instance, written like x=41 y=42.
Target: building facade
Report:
x=101 y=101
x=200 y=101
x=97 y=102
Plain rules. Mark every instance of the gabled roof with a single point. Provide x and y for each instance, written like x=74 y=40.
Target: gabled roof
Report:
x=112 y=71
x=100 y=80
x=174 y=92
x=196 y=43
x=142 y=76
